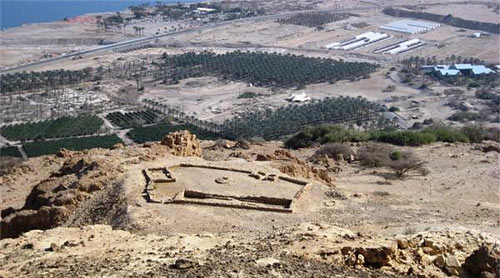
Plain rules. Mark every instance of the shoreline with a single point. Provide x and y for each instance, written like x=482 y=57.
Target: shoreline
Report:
x=123 y=11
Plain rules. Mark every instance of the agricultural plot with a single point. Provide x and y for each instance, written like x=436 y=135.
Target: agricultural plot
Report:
x=313 y=19
x=133 y=119
x=287 y=120
x=261 y=68
x=34 y=149
x=22 y=81
x=58 y=128
x=10 y=151
x=158 y=131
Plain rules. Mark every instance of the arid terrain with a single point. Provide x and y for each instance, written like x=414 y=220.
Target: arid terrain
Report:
x=400 y=226
x=114 y=160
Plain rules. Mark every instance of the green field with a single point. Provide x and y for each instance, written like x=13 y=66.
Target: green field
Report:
x=261 y=68
x=10 y=151
x=132 y=119
x=76 y=144
x=58 y=128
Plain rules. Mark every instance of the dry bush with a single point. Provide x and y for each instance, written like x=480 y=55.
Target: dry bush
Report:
x=401 y=162
x=374 y=155
x=335 y=151
x=7 y=163
x=404 y=163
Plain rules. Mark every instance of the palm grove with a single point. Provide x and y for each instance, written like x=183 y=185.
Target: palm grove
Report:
x=256 y=68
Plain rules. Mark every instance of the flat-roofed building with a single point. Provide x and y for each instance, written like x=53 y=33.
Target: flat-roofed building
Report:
x=410 y=26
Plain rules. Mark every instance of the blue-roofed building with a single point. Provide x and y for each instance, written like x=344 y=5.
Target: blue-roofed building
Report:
x=478 y=70
x=457 y=69
x=448 y=72
x=462 y=66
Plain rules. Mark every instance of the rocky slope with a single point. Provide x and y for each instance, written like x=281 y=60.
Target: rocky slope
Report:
x=83 y=214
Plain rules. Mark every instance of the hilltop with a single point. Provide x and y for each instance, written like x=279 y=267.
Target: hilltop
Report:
x=350 y=221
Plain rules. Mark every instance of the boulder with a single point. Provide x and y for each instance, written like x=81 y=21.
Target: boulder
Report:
x=183 y=264
x=378 y=256
x=64 y=153
x=452 y=266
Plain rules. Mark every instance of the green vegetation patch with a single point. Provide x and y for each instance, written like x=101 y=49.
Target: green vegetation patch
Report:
x=261 y=68
x=10 y=151
x=313 y=19
x=337 y=134
x=273 y=124
x=158 y=131
x=248 y=95
x=36 y=80
x=403 y=138
x=133 y=119
x=58 y=128
x=34 y=149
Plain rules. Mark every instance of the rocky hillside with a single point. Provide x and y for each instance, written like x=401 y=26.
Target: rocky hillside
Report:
x=84 y=214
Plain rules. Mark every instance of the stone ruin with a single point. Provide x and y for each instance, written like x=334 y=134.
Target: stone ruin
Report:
x=182 y=143
x=223 y=187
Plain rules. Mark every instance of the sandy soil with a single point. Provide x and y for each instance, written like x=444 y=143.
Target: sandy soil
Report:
x=455 y=205
x=484 y=13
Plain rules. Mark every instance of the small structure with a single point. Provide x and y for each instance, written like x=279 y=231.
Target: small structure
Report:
x=400 y=47
x=358 y=41
x=302 y=97
x=410 y=26
x=205 y=10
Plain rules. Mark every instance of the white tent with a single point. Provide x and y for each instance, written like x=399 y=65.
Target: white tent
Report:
x=302 y=97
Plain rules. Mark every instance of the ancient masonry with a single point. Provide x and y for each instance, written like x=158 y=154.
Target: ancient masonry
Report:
x=223 y=187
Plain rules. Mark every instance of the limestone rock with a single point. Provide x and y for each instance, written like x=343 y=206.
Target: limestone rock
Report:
x=117 y=146
x=53 y=200
x=452 y=266
x=378 y=256
x=267 y=261
x=64 y=153
x=243 y=144
x=183 y=264
x=182 y=143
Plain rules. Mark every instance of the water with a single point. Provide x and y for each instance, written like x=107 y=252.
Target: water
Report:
x=17 y=12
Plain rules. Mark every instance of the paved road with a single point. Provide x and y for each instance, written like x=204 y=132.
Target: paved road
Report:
x=152 y=38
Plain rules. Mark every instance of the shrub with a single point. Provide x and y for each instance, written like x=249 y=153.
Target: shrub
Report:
x=475 y=133
x=403 y=138
x=428 y=121
x=453 y=92
x=484 y=94
x=393 y=109
x=473 y=85
x=335 y=151
x=302 y=139
x=464 y=116
x=325 y=134
x=404 y=162
x=493 y=134
x=401 y=162
x=248 y=95
x=389 y=88
x=375 y=155
x=447 y=134
x=7 y=163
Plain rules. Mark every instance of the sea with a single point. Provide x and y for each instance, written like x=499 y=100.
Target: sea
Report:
x=15 y=13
